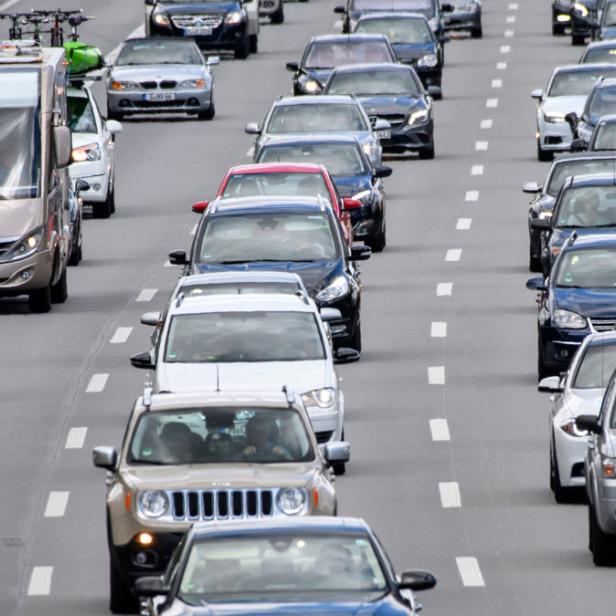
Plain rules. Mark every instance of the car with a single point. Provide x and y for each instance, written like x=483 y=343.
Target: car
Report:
x=413 y=42
x=214 y=457
x=607 y=23
x=323 y=53
x=584 y=18
x=577 y=299
x=310 y=565
x=603 y=136
x=567 y=90
x=585 y=204
x=300 y=116
x=272 y=9
x=215 y=25
x=93 y=155
x=561 y=15
x=465 y=16
x=355 y=178
x=600 y=476
x=298 y=235
x=75 y=210
x=251 y=342
x=544 y=196
x=579 y=392
x=600 y=101
x=394 y=93
x=160 y=75
x=599 y=52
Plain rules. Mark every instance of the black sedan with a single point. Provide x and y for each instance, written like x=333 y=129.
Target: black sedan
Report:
x=394 y=93
x=561 y=15
x=583 y=20
x=465 y=16
x=308 y=566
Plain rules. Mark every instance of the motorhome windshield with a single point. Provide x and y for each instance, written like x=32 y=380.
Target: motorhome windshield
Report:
x=20 y=134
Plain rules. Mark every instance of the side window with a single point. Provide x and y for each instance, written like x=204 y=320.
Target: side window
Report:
x=608 y=401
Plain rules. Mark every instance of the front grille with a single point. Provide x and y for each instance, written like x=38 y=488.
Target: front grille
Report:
x=168 y=84
x=222 y=504
x=603 y=325
x=395 y=119
x=196 y=21
x=158 y=104
x=324 y=437
x=149 y=85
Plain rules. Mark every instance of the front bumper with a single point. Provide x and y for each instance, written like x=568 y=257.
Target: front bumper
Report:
x=30 y=274
x=343 y=330
x=185 y=100
x=560 y=345
x=581 y=27
x=555 y=136
x=99 y=184
x=569 y=452
x=605 y=505
x=225 y=37
x=410 y=138
x=466 y=20
x=327 y=423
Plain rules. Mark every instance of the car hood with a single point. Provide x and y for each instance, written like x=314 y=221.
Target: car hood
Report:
x=560 y=236
x=147 y=72
x=80 y=139
x=197 y=8
x=564 y=104
x=392 y=104
x=608 y=32
x=595 y=303
x=349 y=185
x=20 y=216
x=413 y=51
x=303 y=376
x=583 y=401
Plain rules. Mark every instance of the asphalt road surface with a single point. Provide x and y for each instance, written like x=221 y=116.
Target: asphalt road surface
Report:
x=449 y=335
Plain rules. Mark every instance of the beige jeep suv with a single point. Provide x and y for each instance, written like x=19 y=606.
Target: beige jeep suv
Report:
x=201 y=457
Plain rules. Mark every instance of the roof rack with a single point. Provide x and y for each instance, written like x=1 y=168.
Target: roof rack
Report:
x=289 y=393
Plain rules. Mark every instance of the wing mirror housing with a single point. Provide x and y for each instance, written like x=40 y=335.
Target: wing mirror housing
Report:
x=200 y=206
x=63 y=145
x=293 y=67
x=578 y=145
x=532 y=188
x=252 y=128
x=338 y=451
x=536 y=284
x=435 y=92
x=416 y=580
x=541 y=224
x=383 y=172
x=346 y=355
x=114 y=127
x=330 y=314
x=360 y=252
x=150 y=318
x=589 y=423
x=142 y=361
x=213 y=60
x=178 y=257
x=550 y=385
x=446 y=7
x=537 y=94
x=80 y=186
x=150 y=586
x=351 y=204
x=339 y=10
x=572 y=120
x=105 y=457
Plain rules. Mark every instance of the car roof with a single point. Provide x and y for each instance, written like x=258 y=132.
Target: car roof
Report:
x=391 y=15
x=584 y=68
x=310 y=138
x=248 y=204
x=602 y=338
x=158 y=39
x=374 y=66
x=608 y=43
x=583 y=155
x=348 y=38
x=215 y=278
x=595 y=179
x=607 y=119
x=333 y=99
x=74 y=92
x=589 y=241
x=277 y=168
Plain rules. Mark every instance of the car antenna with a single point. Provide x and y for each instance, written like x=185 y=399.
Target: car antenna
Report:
x=289 y=393
x=217 y=378
x=147 y=392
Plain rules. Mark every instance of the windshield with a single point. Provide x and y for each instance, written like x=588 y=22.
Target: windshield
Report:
x=316 y=118
x=423 y=7
x=575 y=83
x=276 y=185
x=600 y=54
x=159 y=52
x=267 y=237
x=562 y=170
x=603 y=102
x=20 y=134
x=606 y=137
x=325 y=54
x=609 y=15
x=588 y=269
x=596 y=367
x=398 y=30
x=258 y=567
x=373 y=82
x=588 y=207
x=220 y=436
x=341 y=159
x=81 y=118
x=227 y=337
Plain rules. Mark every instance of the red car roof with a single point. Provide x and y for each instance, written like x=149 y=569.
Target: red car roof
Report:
x=277 y=168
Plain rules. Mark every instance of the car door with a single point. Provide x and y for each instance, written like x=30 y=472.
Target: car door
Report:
x=106 y=139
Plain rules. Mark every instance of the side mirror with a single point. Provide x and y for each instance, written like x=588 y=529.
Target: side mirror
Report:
x=105 y=457
x=532 y=188
x=416 y=580
x=114 y=127
x=81 y=185
x=351 y=204
x=383 y=172
x=360 y=252
x=150 y=318
x=447 y=8
x=213 y=60
x=200 y=206
x=541 y=224
x=178 y=257
x=572 y=120
x=143 y=361
x=339 y=10
x=537 y=94
x=578 y=145
x=536 y=284
x=550 y=385
x=63 y=145
x=330 y=314
x=338 y=451
x=346 y=355
x=435 y=91
x=293 y=67
x=150 y=586
x=380 y=124
x=150 y=2
x=252 y=128
x=589 y=423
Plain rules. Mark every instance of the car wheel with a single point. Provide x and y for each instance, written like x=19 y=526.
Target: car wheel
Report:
x=561 y=495
x=543 y=156
x=577 y=39
x=121 y=599
x=557 y=29
x=76 y=256
x=107 y=207
x=59 y=291
x=209 y=113
x=243 y=49
x=356 y=339
x=542 y=369
x=603 y=546
x=253 y=43
x=277 y=17
x=477 y=32
x=534 y=254
x=427 y=153
x=39 y=301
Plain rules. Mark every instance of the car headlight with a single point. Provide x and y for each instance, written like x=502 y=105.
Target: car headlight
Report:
x=320 y=397
x=553 y=118
x=369 y=149
x=566 y=319
x=84 y=153
x=193 y=83
x=429 y=60
x=338 y=288
x=418 y=116
x=160 y=19
x=122 y=86
x=545 y=215
x=312 y=86
x=608 y=467
x=26 y=246
x=153 y=503
x=581 y=9
x=571 y=429
x=235 y=17
x=291 y=501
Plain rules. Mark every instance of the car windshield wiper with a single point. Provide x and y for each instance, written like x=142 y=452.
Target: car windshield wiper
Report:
x=570 y=286
x=239 y=261
x=606 y=226
x=152 y=462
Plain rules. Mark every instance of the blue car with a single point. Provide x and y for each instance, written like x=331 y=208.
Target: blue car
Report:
x=600 y=102
x=326 y=565
x=577 y=299
x=413 y=42
x=607 y=24
x=352 y=173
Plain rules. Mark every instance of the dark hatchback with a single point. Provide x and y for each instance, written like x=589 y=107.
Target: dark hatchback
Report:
x=308 y=565
x=584 y=15
x=214 y=25
x=324 y=53
x=561 y=15
x=465 y=16
x=600 y=102
x=394 y=93
x=544 y=196
x=352 y=173
x=577 y=299
x=412 y=40
x=298 y=235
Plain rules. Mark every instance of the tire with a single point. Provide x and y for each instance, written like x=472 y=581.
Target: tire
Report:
x=243 y=49
x=76 y=256
x=121 y=598
x=534 y=262
x=209 y=114
x=577 y=39
x=561 y=494
x=107 y=207
x=253 y=42
x=543 y=156
x=542 y=369
x=59 y=291
x=380 y=241
x=427 y=153
x=355 y=342
x=477 y=33
x=557 y=29
x=602 y=545
x=39 y=301
x=277 y=17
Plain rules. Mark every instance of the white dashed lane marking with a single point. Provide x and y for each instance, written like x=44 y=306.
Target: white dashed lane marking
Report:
x=56 y=504
x=511 y=19
x=453 y=254
x=436 y=375
x=450 y=494
x=439 y=428
x=469 y=570
x=492 y=103
x=121 y=335
x=146 y=295
x=250 y=152
x=497 y=83
x=444 y=289
x=505 y=48
x=509 y=33
x=97 y=383
x=501 y=66
x=40 y=581
x=485 y=124
x=477 y=170
x=513 y=6
x=438 y=329
x=471 y=195
x=481 y=146
x=75 y=438
x=464 y=224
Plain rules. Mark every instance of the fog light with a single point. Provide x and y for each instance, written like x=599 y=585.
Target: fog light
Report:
x=26 y=274
x=145 y=539
x=124 y=103
x=563 y=18
x=141 y=558
x=193 y=102
x=96 y=187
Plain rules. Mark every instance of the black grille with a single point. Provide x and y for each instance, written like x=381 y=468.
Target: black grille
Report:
x=168 y=84
x=222 y=504
x=603 y=325
x=149 y=85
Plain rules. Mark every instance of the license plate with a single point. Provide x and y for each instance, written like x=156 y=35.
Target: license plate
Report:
x=384 y=134
x=159 y=97
x=198 y=31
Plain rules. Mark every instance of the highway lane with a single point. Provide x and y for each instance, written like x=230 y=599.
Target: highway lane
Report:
x=523 y=542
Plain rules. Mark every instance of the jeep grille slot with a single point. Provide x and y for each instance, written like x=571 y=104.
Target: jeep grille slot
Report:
x=222 y=504
x=193 y=505
x=178 y=504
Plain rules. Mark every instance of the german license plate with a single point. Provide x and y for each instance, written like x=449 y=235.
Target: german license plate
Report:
x=198 y=31
x=159 y=97
x=384 y=134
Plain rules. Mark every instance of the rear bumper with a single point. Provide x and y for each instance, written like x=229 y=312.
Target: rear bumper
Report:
x=410 y=138
x=134 y=102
